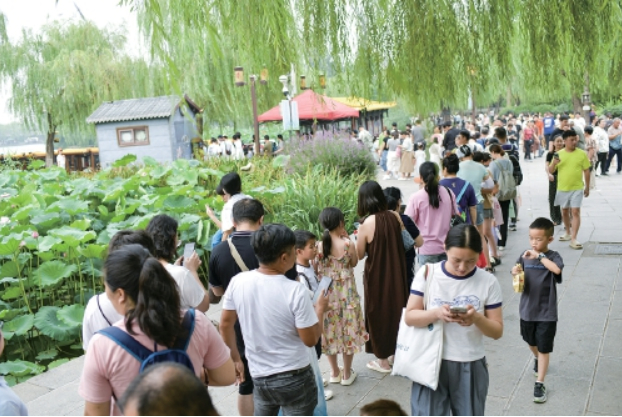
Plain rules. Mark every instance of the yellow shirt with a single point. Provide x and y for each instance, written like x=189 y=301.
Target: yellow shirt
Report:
x=570 y=169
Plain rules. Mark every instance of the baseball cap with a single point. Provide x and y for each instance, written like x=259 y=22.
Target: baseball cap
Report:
x=464 y=151
x=230 y=183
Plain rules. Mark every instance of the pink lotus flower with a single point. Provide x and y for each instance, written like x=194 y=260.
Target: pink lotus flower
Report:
x=35 y=235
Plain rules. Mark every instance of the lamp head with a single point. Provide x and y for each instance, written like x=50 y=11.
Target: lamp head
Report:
x=284 y=79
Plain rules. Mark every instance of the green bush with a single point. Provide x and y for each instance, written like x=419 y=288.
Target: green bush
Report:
x=345 y=156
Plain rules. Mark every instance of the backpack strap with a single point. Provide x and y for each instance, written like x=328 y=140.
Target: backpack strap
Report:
x=236 y=255
x=464 y=188
x=127 y=342
x=102 y=311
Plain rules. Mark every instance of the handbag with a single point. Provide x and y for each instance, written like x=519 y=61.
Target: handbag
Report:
x=419 y=350
x=456 y=219
x=407 y=239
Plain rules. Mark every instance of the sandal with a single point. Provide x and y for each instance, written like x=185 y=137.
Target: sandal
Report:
x=349 y=381
x=490 y=269
x=565 y=238
x=335 y=379
x=495 y=261
x=576 y=245
x=375 y=366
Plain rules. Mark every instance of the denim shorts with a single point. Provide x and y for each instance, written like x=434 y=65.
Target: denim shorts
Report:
x=293 y=391
x=488 y=214
x=480 y=214
x=431 y=259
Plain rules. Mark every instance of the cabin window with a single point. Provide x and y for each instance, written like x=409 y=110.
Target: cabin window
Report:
x=133 y=136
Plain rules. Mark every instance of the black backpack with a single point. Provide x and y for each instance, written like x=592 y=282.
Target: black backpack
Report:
x=518 y=173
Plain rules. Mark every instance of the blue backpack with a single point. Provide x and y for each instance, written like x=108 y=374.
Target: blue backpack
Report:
x=147 y=357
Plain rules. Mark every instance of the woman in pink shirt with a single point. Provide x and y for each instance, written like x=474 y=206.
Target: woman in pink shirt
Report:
x=141 y=289
x=431 y=209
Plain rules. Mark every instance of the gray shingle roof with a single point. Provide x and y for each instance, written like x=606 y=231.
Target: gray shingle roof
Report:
x=134 y=109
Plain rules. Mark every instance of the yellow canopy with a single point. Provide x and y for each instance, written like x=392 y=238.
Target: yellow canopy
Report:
x=360 y=103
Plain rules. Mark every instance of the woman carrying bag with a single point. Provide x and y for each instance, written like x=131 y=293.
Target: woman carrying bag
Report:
x=453 y=285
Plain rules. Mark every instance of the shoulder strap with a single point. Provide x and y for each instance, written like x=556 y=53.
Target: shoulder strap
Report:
x=236 y=255
x=102 y=311
x=188 y=325
x=464 y=188
x=453 y=203
x=426 y=294
x=127 y=342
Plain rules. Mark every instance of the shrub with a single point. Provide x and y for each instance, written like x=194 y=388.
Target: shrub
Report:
x=347 y=157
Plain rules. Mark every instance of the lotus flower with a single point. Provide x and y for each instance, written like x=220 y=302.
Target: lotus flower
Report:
x=35 y=235
x=4 y=220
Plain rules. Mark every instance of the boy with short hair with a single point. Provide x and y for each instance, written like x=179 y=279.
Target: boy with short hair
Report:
x=305 y=253
x=538 y=302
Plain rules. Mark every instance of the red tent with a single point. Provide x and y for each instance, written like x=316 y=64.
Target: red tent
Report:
x=313 y=106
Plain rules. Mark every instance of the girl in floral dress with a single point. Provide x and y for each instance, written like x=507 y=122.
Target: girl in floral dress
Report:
x=344 y=325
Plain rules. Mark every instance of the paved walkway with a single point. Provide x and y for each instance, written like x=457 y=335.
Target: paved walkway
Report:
x=586 y=366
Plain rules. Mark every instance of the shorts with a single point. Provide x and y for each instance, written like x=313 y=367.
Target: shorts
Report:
x=539 y=333
x=462 y=389
x=480 y=214
x=488 y=214
x=569 y=199
x=246 y=387
x=431 y=259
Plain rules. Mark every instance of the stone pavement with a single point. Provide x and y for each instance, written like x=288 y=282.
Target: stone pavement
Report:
x=586 y=366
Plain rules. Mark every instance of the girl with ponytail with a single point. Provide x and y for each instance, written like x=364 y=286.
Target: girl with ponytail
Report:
x=140 y=288
x=431 y=208
x=344 y=325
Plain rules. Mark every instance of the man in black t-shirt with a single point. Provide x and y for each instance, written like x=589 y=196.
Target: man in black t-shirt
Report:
x=449 y=140
x=247 y=218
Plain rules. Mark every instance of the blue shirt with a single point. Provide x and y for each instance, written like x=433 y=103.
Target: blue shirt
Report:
x=549 y=125
x=10 y=404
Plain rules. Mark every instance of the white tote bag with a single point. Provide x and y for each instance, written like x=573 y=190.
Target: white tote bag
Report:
x=419 y=349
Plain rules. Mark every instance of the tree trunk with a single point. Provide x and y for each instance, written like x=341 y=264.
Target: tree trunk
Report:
x=508 y=97
x=576 y=103
x=49 y=149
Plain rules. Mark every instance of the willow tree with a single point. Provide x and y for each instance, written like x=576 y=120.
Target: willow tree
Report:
x=426 y=51
x=60 y=74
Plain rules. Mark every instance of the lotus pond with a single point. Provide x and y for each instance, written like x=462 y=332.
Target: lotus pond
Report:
x=55 y=227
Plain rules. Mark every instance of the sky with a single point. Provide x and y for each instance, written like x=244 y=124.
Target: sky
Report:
x=33 y=14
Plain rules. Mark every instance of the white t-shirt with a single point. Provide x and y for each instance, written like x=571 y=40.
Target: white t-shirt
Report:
x=226 y=216
x=479 y=288
x=309 y=279
x=60 y=160
x=94 y=321
x=270 y=309
x=191 y=292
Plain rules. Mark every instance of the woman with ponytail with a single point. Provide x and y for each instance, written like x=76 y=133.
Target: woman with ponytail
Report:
x=140 y=289
x=431 y=208
x=344 y=327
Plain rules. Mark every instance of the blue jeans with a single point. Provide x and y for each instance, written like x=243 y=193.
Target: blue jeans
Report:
x=217 y=238
x=295 y=392
x=383 y=160
x=431 y=259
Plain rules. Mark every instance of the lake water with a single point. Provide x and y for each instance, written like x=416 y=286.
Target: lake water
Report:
x=21 y=149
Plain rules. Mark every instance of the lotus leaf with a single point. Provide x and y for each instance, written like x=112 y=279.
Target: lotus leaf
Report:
x=10 y=244
x=71 y=206
x=51 y=273
x=73 y=237
x=114 y=194
x=178 y=203
x=10 y=314
x=51 y=174
x=46 y=220
x=92 y=251
x=20 y=368
x=188 y=220
x=19 y=326
x=81 y=224
x=149 y=161
x=126 y=160
x=46 y=256
x=103 y=210
x=48 y=323
x=8 y=280
x=36 y=164
x=57 y=363
x=206 y=173
x=48 y=242
x=22 y=213
x=176 y=179
x=10 y=269
x=47 y=355
x=72 y=315
x=160 y=171
x=8 y=179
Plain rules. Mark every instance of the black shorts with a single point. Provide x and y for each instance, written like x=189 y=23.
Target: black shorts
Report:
x=539 y=333
x=246 y=387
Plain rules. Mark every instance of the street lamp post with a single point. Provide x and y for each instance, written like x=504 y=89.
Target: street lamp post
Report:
x=284 y=79
x=586 y=98
x=239 y=82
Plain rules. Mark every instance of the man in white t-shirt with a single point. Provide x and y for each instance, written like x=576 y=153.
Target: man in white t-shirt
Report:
x=60 y=159
x=278 y=321
x=100 y=312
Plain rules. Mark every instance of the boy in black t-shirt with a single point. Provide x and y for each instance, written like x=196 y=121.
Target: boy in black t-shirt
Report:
x=538 y=302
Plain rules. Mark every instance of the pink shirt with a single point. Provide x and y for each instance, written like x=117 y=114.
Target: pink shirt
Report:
x=432 y=223
x=108 y=368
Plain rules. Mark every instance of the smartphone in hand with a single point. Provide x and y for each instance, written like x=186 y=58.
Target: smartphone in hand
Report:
x=188 y=251
x=325 y=285
x=457 y=309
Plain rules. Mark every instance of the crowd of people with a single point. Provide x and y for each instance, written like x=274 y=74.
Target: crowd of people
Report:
x=289 y=297
x=232 y=147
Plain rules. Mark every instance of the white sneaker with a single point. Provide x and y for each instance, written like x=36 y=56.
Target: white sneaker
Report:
x=501 y=248
x=386 y=177
x=328 y=394
x=401 y=179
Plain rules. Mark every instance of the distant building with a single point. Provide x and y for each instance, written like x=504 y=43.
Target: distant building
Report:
x=159 y=127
